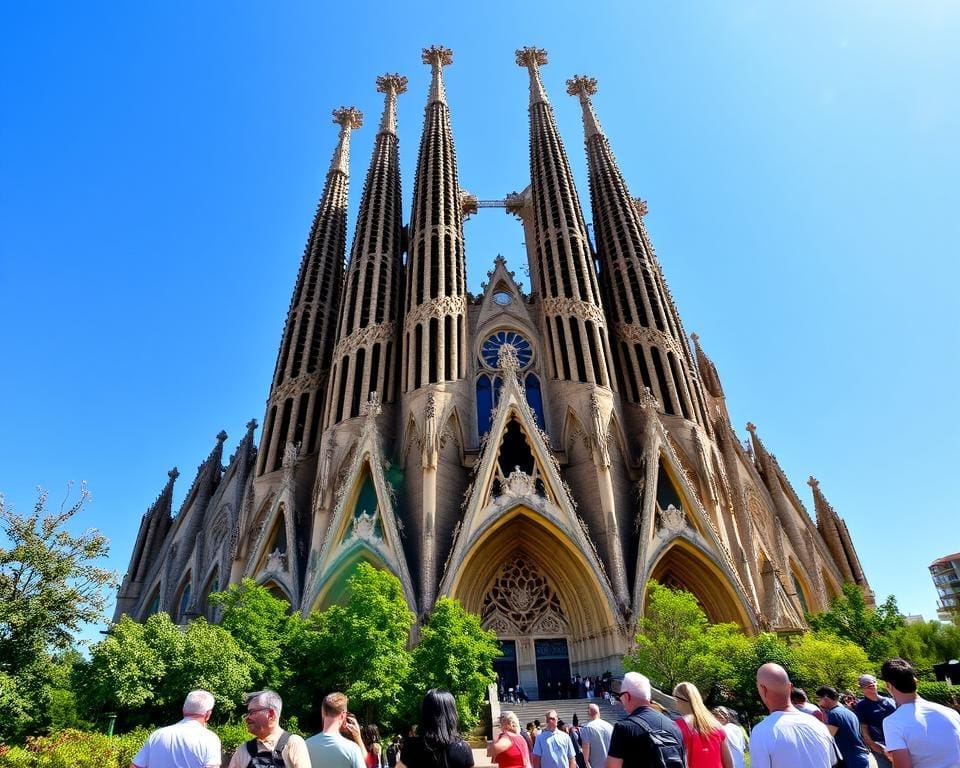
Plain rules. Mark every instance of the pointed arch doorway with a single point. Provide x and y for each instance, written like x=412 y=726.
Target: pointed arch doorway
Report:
x=537 y=591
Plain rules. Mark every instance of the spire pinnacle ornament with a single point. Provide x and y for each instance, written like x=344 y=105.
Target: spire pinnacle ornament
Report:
x=533 y=58
x=584 y=87
x=348 y=118
x=437 y=57
x=392 y=85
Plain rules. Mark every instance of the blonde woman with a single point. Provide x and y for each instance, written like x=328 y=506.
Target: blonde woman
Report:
x=510 y=749
x=703 y=735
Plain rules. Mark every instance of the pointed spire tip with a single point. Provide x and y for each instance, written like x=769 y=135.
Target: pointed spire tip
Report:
x=348 y=117
x=437 y=54
x=392 y=82
x=531 y=55
x=582 y=85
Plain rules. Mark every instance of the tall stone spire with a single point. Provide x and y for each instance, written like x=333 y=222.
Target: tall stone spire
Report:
x=565 y=273
x=834 y=532
x=366 y=340
x=296 y=397
x=434 y=329
x=649 y=337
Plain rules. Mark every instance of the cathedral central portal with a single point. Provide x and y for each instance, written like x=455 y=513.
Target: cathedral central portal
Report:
x=532 y=589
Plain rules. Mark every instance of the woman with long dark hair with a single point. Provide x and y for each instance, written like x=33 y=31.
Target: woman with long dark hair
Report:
x=438 y=743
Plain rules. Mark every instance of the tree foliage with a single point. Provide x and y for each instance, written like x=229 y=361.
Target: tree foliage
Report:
x=456 y=653
x=50 y=585
x=924 y=644
x=141 y=672
x=849 y=617
x=823 y=659
x=359 y=648
x=264 y=627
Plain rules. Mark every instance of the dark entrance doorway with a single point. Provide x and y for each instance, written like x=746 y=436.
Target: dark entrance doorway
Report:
x=506 y=667
x=553 y=666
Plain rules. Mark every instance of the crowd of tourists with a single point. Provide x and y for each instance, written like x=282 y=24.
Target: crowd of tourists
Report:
x=874 y=731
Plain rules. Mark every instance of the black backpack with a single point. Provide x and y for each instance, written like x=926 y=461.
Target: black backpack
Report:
x=267 y=759
x=667 y=751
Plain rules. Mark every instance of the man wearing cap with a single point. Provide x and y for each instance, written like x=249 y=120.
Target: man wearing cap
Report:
x=920 y=734
x=631 y=743
x=871 y=711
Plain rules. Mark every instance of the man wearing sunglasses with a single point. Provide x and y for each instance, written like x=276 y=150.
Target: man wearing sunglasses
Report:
x=271 y=746
x=646 y=737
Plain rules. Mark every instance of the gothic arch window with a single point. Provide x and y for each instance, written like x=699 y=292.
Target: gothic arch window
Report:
x=183 y=603
x=489 y=384
x=801 y=595
x=213 y=585
x=153 y=604
x=522 y=601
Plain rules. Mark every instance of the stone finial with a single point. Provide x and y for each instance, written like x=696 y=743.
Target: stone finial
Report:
x=437 y=57
x=751 y=428
x=392 y=85
x=221 y=437
x=347 y=118
x=533 y=58
x=584 y=87
x=372 y=407
x=813 y=483
x=252 y=425
x=173 y=474
x=640 y=205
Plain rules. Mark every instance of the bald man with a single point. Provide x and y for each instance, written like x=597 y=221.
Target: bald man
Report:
x=787 y=738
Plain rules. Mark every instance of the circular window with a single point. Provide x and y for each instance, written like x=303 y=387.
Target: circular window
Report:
x=502 y=298
x=490 y=349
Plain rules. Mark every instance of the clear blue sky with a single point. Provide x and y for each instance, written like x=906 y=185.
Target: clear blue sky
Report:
x=161 y=163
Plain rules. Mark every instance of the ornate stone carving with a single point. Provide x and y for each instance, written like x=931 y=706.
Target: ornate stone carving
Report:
x=277 y=561
x=574 y=308
x=365 y=526
x=522 y=596
x=440 y=307
x=365 y=337
x=672 y=520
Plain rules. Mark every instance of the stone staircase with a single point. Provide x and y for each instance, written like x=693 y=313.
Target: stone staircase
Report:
x=566 y=708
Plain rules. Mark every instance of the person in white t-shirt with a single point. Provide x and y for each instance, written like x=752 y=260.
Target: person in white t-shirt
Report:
x=787 y=738
x=736 y=736
x=919 y=734
x=187 y=744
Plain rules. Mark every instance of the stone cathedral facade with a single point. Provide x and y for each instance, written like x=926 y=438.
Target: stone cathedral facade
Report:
x=537 y=456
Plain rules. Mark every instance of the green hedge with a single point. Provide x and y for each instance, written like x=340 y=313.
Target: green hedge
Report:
x=74 y=749
x=942 y=693
x=80 y=749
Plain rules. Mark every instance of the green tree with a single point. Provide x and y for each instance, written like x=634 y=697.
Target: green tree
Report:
x=759 y=650
x=264 y=626
x=670 y=637
x=143 y=671
x=456 y=653
x=924 y=644
x=49 y=586
x=823 y=659
x=359 y=648
x=849 y=617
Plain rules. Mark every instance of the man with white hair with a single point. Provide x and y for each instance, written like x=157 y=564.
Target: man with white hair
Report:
x=646 y=737
x=270 y=745
x=596 y=737
x=186 y=744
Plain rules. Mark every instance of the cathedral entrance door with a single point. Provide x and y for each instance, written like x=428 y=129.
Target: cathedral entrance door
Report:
x=553 y=666
x=506 y=667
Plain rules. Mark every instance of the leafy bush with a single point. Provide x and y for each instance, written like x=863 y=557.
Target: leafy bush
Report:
x=941 y=693
x=74 y=749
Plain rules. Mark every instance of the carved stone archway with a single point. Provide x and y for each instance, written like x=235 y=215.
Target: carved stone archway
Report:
x=528 y=581
x=684 y=566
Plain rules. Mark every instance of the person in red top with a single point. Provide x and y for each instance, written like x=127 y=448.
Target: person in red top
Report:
x=510 y=750
x=704 y=739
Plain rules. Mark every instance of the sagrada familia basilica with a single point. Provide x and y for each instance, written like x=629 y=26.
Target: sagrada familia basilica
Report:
x=540 y=457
